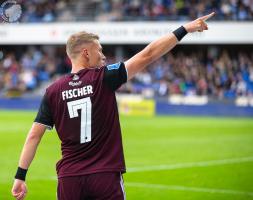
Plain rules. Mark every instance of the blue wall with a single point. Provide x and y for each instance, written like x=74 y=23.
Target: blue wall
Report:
x=162 y=108
x=211 y=109
x=20 y=103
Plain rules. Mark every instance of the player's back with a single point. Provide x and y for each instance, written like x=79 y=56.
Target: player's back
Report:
x=85 y=115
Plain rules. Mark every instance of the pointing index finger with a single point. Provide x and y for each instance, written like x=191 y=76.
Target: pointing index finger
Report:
x=206 y=17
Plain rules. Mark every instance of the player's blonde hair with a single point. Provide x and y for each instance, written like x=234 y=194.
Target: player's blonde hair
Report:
x=76 y=41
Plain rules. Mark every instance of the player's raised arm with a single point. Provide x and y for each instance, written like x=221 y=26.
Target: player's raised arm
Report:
x=164 y=44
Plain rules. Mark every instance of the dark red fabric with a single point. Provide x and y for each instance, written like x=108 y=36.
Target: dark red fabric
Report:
x=104 y=153
x=100 y=186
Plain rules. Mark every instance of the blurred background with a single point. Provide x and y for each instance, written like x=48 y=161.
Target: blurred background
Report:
x=215 y=66
x=208 y=75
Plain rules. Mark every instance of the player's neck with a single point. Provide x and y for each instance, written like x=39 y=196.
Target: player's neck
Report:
x=76 y=67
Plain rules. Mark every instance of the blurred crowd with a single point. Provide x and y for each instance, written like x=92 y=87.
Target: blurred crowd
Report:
x=25 y=70
x=134 y=10
x=216 y=73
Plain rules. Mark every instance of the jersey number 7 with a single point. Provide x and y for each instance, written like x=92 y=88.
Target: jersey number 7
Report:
x=85 y=106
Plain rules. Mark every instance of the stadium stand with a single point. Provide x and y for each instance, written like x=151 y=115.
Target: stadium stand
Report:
x=215 y=72
x=216 y=66
x=132 y=10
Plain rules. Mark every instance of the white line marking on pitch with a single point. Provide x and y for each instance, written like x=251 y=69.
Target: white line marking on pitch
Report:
x=190 y=164
x=185 y=188
x=173 y=166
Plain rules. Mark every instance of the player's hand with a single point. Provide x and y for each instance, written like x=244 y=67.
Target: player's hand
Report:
x=19 y=189
x=198 y=24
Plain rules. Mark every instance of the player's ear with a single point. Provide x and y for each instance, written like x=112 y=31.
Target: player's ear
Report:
x=85 y=53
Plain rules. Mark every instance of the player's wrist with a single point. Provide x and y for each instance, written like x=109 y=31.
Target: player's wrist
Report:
x=21 y=174
x=180 y=32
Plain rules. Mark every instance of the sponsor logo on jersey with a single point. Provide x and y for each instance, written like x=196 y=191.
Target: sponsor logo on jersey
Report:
x=71 y=83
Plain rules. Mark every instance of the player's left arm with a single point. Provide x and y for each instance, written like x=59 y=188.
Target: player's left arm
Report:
x=32 y=141
x=42 y=122
x=34 y=136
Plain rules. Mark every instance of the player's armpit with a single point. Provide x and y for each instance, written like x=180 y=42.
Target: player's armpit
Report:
x=150 y=53
x=44 y=115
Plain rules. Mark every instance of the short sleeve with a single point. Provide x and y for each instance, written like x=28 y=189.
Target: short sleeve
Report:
x=44 y=115
x=115 y=75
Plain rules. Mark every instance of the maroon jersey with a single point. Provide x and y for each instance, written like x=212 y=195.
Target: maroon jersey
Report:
x=83 y=109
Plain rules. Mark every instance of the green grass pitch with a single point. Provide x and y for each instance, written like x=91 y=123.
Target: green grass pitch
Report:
x=176 y=158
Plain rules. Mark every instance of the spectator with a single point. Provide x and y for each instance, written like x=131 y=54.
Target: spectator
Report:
x=135 y=10
x=220 y=75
